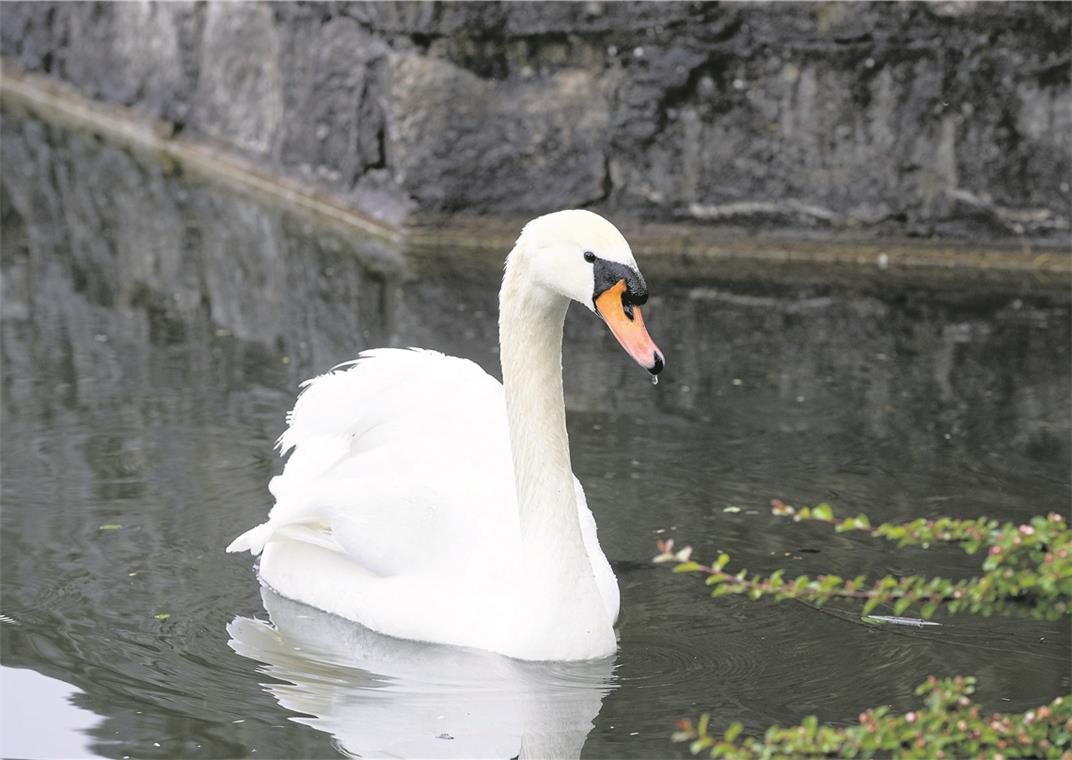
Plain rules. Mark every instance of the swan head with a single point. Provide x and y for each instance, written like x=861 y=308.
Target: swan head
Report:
x=582 y=256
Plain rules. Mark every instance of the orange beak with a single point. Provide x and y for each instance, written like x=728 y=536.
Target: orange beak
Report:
x=627 y=324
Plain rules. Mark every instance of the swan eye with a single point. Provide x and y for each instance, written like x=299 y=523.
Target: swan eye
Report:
x=589 y=257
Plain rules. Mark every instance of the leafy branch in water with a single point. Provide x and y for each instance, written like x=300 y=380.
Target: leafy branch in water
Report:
x=1027 y=569
x=949 y=725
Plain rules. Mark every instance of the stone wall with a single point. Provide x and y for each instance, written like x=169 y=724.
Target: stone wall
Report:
x=949 y=119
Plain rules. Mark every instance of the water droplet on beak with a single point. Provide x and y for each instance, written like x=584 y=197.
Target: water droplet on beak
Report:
x=654 y=379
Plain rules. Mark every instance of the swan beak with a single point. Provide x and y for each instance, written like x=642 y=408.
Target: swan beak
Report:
x=627 y=324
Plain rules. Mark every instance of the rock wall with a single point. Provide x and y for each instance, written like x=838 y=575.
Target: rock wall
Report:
x=921 y=119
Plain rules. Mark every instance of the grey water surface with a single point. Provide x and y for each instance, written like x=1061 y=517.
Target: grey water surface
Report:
x=155 y=330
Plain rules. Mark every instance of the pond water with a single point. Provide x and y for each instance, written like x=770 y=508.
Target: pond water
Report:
x=155 y=330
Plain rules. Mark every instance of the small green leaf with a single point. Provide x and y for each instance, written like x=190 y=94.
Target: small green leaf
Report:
x=686 y=567
x=823 y=512
x=723 y=749
x=162 y=616
x=701 y=744
x=830 y=582
x=110 y=526
x=722 y=561
x=731 y=509
x=733 y=731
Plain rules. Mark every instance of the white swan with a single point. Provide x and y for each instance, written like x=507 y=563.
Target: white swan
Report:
x=426 y=501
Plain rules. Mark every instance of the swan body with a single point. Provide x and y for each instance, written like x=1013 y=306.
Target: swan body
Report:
x=427 y=501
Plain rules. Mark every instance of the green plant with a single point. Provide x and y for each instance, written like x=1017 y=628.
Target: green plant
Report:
x=1027 y=569
x=949 y=725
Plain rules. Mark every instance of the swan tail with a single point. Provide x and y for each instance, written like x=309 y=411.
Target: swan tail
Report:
x=253 y=540
x=291 y=515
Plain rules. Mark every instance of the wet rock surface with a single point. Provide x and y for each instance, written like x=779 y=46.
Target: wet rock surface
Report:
x=947 y=119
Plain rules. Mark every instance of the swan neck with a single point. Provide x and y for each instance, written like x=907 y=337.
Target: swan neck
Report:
x=563 y=610
x=531 y=319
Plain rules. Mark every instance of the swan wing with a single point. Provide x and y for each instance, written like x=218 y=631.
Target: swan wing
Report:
x=606 y=581
x=399 y=460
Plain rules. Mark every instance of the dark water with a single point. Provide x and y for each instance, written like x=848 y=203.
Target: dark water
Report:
x=155 y=330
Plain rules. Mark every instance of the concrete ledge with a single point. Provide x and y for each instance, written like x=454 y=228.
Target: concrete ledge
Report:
x=61 y=103
x=670 y=248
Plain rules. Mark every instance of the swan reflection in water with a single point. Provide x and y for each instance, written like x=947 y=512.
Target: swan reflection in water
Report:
x=385 y=697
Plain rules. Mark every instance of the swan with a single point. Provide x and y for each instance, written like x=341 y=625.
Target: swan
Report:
x=427 y=501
